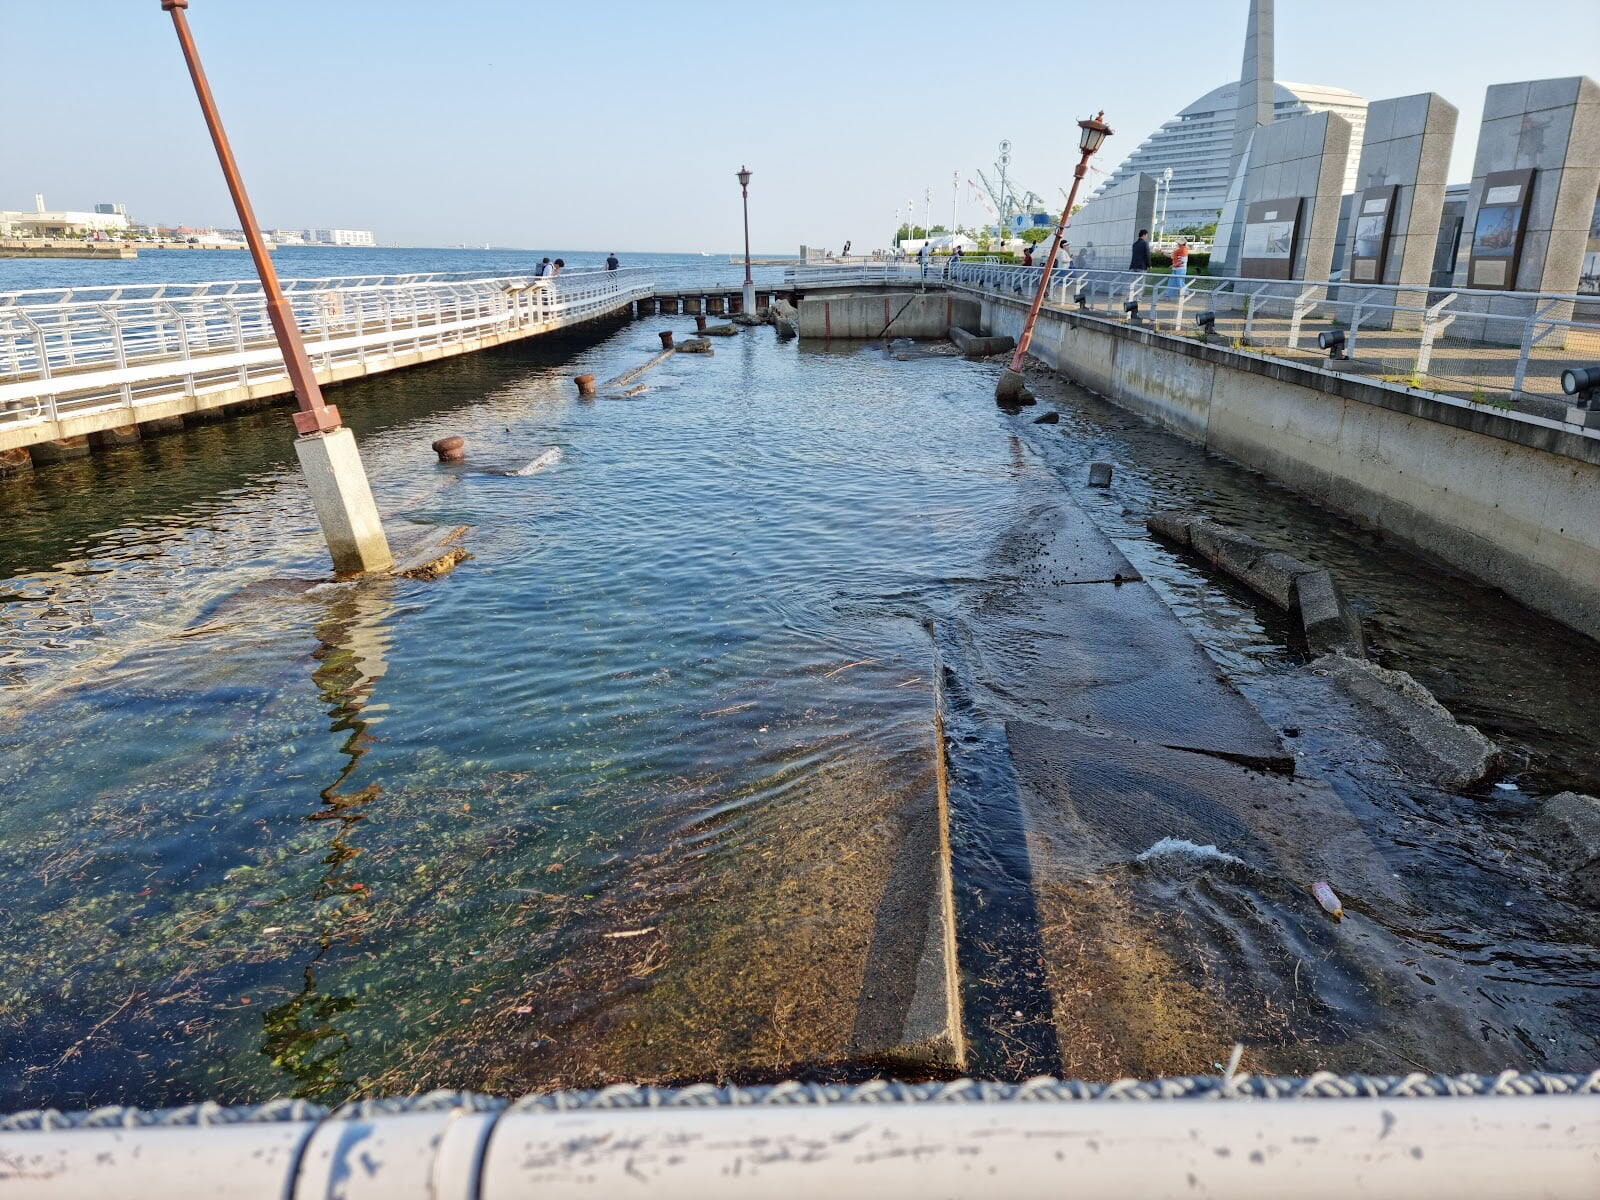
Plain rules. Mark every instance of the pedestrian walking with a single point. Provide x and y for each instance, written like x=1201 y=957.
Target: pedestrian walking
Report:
x=1141 y=252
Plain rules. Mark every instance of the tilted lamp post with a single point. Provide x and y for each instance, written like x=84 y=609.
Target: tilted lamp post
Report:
x=326 y=449
x=1092 y=132
x=749 y=284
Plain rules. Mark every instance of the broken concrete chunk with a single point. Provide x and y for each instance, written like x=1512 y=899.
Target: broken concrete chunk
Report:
x=1567 y=828
x=1409 y=719
x=1329 y=624
x=694 y=346
x=1099 y=474
x=1049 y=418
x=720 y=331
x=434 y=555
x=1233 y=552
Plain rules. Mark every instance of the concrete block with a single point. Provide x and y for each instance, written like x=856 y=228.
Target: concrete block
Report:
x=1329 y=625
x=61 y=450
x=346 y=511
x=695 y=346
x=1100 y=474
x=1170 y=526
x=1231 y=552
x=972 y=345
x=1273 y=575
x=1428 y=740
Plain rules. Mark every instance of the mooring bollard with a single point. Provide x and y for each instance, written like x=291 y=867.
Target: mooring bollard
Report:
x=450 y=449
x=666 y=339
x=699 y=322
x=585 y=384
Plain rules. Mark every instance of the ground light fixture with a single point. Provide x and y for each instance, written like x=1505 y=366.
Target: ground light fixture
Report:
x=1583 y=383
x=1132 y=309
x=1332 y=340
x=1092 y=133
x=1083 y=300
x=1206 y=323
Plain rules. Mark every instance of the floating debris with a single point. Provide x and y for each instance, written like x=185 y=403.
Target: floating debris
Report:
x=1328 y=899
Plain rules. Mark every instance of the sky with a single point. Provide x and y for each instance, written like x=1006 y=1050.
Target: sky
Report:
x=618 y=124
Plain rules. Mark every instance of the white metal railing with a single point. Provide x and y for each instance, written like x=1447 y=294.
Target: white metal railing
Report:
x=1503 y=349
x=75 y=351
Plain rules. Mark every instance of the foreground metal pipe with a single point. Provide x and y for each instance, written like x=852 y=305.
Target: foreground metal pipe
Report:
x=874 y=1141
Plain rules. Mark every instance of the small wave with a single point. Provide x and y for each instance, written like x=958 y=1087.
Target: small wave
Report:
x=1169 y=846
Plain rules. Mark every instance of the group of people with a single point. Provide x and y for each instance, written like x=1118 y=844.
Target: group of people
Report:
x=549 y=270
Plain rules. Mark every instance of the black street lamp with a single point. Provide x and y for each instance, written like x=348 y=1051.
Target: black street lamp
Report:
x=749 y=284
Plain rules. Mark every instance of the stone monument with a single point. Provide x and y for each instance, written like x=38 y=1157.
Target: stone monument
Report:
x=1393 y=229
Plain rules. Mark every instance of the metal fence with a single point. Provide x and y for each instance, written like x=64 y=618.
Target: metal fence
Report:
x=1502 y=349
x=74 y=351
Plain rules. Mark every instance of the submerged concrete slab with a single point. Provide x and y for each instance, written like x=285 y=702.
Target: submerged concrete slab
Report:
x=1076 y=636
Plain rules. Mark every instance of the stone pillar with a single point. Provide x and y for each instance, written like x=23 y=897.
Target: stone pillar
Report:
x=1301 y=162
x=61 y=450
x=343 y=499
x=1551 y=128
x=714 y=304
x=1393 y=232
x=747 y=298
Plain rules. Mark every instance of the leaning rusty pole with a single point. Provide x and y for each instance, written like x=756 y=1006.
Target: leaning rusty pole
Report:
x=326 y=449
x=1092 y=132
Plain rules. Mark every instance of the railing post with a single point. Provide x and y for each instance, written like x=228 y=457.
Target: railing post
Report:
x=1302 y=305
x=1434 y=322
x=237 y=322
x=1528 y=343
x=119 y=350
x=41 y=349
x=183 y=348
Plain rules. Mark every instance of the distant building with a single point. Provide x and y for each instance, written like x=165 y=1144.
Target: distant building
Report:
x=340 y=237
x=111 y=210
x=47 y=223
x=1197 y=144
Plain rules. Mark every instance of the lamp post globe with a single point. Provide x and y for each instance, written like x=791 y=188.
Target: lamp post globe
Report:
x=749 y=284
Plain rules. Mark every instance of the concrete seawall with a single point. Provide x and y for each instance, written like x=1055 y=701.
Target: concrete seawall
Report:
x=886 y=314
x=1512 y=500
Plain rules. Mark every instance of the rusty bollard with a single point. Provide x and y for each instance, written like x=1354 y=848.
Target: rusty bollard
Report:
x=585 y=384
x=450 y=449
x=699 y=322
x=666 y=339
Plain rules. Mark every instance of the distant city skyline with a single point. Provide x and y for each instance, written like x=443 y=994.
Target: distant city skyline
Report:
x=511 y=124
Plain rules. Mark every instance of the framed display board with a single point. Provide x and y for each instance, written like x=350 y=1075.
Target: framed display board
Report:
x=1374 y=217
x=1271 y=237
x=1497 y=235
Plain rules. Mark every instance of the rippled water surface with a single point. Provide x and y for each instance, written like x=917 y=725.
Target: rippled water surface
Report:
x=268 y=834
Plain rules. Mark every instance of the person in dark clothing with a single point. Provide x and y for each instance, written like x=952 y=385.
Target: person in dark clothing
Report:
x=1027 y=256
x=611 y=261
x=1141 y=252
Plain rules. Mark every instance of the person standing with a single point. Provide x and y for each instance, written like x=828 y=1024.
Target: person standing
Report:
x=1027 y=255
x=922 y=259
x=1141 y=252
x=611 y=261
x=543 y=268
x=555 y=267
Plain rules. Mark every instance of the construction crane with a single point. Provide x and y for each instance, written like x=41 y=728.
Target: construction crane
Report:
x=1003 y=200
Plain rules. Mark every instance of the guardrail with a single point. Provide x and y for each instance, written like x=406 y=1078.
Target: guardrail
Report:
x=75 y=351
x=1502 y=349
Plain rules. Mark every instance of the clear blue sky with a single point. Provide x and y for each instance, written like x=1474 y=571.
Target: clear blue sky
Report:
x=608 y=124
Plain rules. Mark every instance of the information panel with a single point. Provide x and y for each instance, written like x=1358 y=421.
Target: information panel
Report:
x=1497 y=236
x=1374 y=219
x=1271 y=237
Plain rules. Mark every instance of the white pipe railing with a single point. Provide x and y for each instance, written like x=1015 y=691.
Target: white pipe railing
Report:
x=1501 y=347
x=100 y=348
